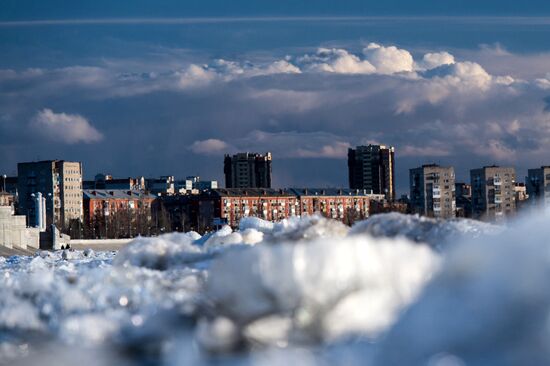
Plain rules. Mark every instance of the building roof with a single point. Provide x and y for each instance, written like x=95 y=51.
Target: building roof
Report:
x=288 y=192
x=332 y=192
x=253 y=192
x=115 y=193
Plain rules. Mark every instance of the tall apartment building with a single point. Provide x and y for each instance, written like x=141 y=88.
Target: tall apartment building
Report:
x=372 y=168
x=60 y=183
x=538 y=186
x=247 y=170
x=493 y=195
x=433 y=191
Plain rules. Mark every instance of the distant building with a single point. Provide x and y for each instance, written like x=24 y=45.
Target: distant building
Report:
x=230 y=205
x=432 y=191
x=538 y=186
x=117 y=213
x=106 y=181
x=194 y=185
x=348 y=205
x=372 y=168
x=248 y=170
x=165 y=185
x=493 y=196
x=463 y=194
x=60 y=183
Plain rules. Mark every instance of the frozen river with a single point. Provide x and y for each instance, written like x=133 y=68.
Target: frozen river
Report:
x=303 y=291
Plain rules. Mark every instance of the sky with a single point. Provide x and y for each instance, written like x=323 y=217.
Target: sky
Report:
x=131 y=88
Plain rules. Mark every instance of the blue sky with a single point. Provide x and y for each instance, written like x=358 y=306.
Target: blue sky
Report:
x=37 y=9
x=153 y=96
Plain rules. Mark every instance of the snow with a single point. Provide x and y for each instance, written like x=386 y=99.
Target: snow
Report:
x=301 y=291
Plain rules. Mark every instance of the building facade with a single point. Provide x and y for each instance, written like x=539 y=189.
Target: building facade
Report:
x=538 y=186
x=117 y=213
x=493 y=196
x=60 y=183
x=194 y=185
x=164 y=185
x=372 y=168
x=247 y=170
x=228 y=206
x=432 y=190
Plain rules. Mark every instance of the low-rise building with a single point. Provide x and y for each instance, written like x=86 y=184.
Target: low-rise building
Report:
x=107 y=182
x=194 y=185
x=228 y=206
x=117 y=213
x=164 y=185
x=348 y=205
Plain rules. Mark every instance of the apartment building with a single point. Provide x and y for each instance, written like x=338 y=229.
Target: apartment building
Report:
x=248 y=170
x=432 y=191
x=493 y=195
x=60 y=183
x=538 y=186
x=372 y=168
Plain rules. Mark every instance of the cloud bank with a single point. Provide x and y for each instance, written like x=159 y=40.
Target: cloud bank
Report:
x=433 y=106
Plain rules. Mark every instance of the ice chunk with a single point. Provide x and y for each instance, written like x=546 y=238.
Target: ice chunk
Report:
x=257 y=224
x=160 y=252
x=318 y=286
x=436 y=232
x=488 y=306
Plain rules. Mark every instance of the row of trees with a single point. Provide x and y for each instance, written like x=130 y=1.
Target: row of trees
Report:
x=120 y=224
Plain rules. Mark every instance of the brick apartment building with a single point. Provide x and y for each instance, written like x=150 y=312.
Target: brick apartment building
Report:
x=117 y=213
x=230 y=205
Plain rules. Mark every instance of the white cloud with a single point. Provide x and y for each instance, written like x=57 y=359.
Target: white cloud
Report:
x=282 y=67
x=67 y=128
x=389 y=60
x=337 y=61
x=285 y=144
x=433 y=151
x=195 y=76
x=470 y=74
x=211 y=147
x=433 y=60
x=336 y=150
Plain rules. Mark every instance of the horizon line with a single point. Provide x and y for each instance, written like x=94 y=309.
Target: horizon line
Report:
x=231 y=19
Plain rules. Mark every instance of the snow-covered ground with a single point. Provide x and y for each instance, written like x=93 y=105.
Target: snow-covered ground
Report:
x=392 y=290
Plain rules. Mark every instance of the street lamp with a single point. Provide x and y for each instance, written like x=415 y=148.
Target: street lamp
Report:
x=4 y=180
